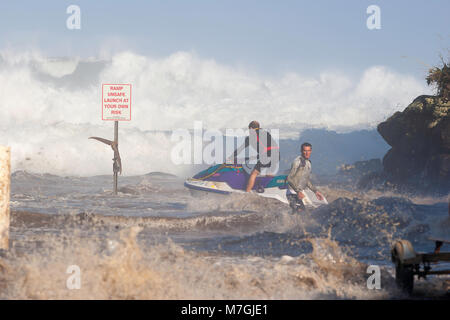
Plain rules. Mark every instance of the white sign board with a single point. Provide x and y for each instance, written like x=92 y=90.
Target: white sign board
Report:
x=116 y=102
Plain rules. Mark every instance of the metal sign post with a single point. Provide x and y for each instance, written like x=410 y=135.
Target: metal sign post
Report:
x=116 y=106
x=116 y=168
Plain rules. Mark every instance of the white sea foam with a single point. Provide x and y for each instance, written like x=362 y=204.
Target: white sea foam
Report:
x=48 y=107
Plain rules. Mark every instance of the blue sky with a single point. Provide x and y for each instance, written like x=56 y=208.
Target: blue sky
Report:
x=269 y=37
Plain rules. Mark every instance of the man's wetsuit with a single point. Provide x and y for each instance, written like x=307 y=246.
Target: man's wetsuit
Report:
x=298 y=180
x=266 y=162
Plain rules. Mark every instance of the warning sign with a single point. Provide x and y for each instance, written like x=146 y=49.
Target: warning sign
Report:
x=116 y=102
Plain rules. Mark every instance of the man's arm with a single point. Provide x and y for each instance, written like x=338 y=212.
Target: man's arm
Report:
x=290 y=178
x=238 y=150
x=294 y=167
x=311 y=186
x=314 y=189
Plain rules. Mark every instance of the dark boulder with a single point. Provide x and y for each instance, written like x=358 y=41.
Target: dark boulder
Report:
x=420 y=140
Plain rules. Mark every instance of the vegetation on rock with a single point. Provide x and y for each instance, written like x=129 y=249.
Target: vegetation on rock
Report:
x=440 y=77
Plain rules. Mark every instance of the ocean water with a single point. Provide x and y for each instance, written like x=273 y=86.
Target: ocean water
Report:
x=158 y=240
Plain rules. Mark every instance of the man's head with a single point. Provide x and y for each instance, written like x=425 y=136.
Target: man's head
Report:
x=253 y=125
x=306 y=150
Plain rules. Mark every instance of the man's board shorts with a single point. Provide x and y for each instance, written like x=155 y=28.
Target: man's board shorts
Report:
x=295 y=203
x=259 y=165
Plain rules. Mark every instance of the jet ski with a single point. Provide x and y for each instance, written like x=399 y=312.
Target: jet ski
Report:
x=232 y=178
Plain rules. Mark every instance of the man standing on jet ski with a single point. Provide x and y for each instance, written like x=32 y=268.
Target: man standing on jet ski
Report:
x=266 y=148
x=299 y=179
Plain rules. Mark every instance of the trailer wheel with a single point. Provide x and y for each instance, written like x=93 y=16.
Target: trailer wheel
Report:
x=404 y=277
x=404 y=274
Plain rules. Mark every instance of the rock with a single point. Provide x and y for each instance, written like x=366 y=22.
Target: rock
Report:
x=360 y=168
x=361 y=173
x=420 y=141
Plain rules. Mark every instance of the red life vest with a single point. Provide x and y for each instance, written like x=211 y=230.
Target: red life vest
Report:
x=265 y=148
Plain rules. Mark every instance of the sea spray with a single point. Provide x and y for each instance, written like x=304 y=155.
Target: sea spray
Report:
x=166 y=271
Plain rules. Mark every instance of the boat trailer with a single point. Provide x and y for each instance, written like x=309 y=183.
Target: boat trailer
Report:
x=409 y=263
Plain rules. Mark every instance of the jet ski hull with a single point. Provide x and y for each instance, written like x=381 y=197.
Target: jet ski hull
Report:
x=226 y=179
x=207 y=186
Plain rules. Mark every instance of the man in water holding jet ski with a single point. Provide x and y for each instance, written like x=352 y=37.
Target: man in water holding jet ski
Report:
x=266 y=149
x=299 y=179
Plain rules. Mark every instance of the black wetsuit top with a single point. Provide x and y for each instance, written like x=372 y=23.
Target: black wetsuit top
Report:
x=270 y=144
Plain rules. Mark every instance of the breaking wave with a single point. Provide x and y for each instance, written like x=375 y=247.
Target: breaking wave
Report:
x=49 y=107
